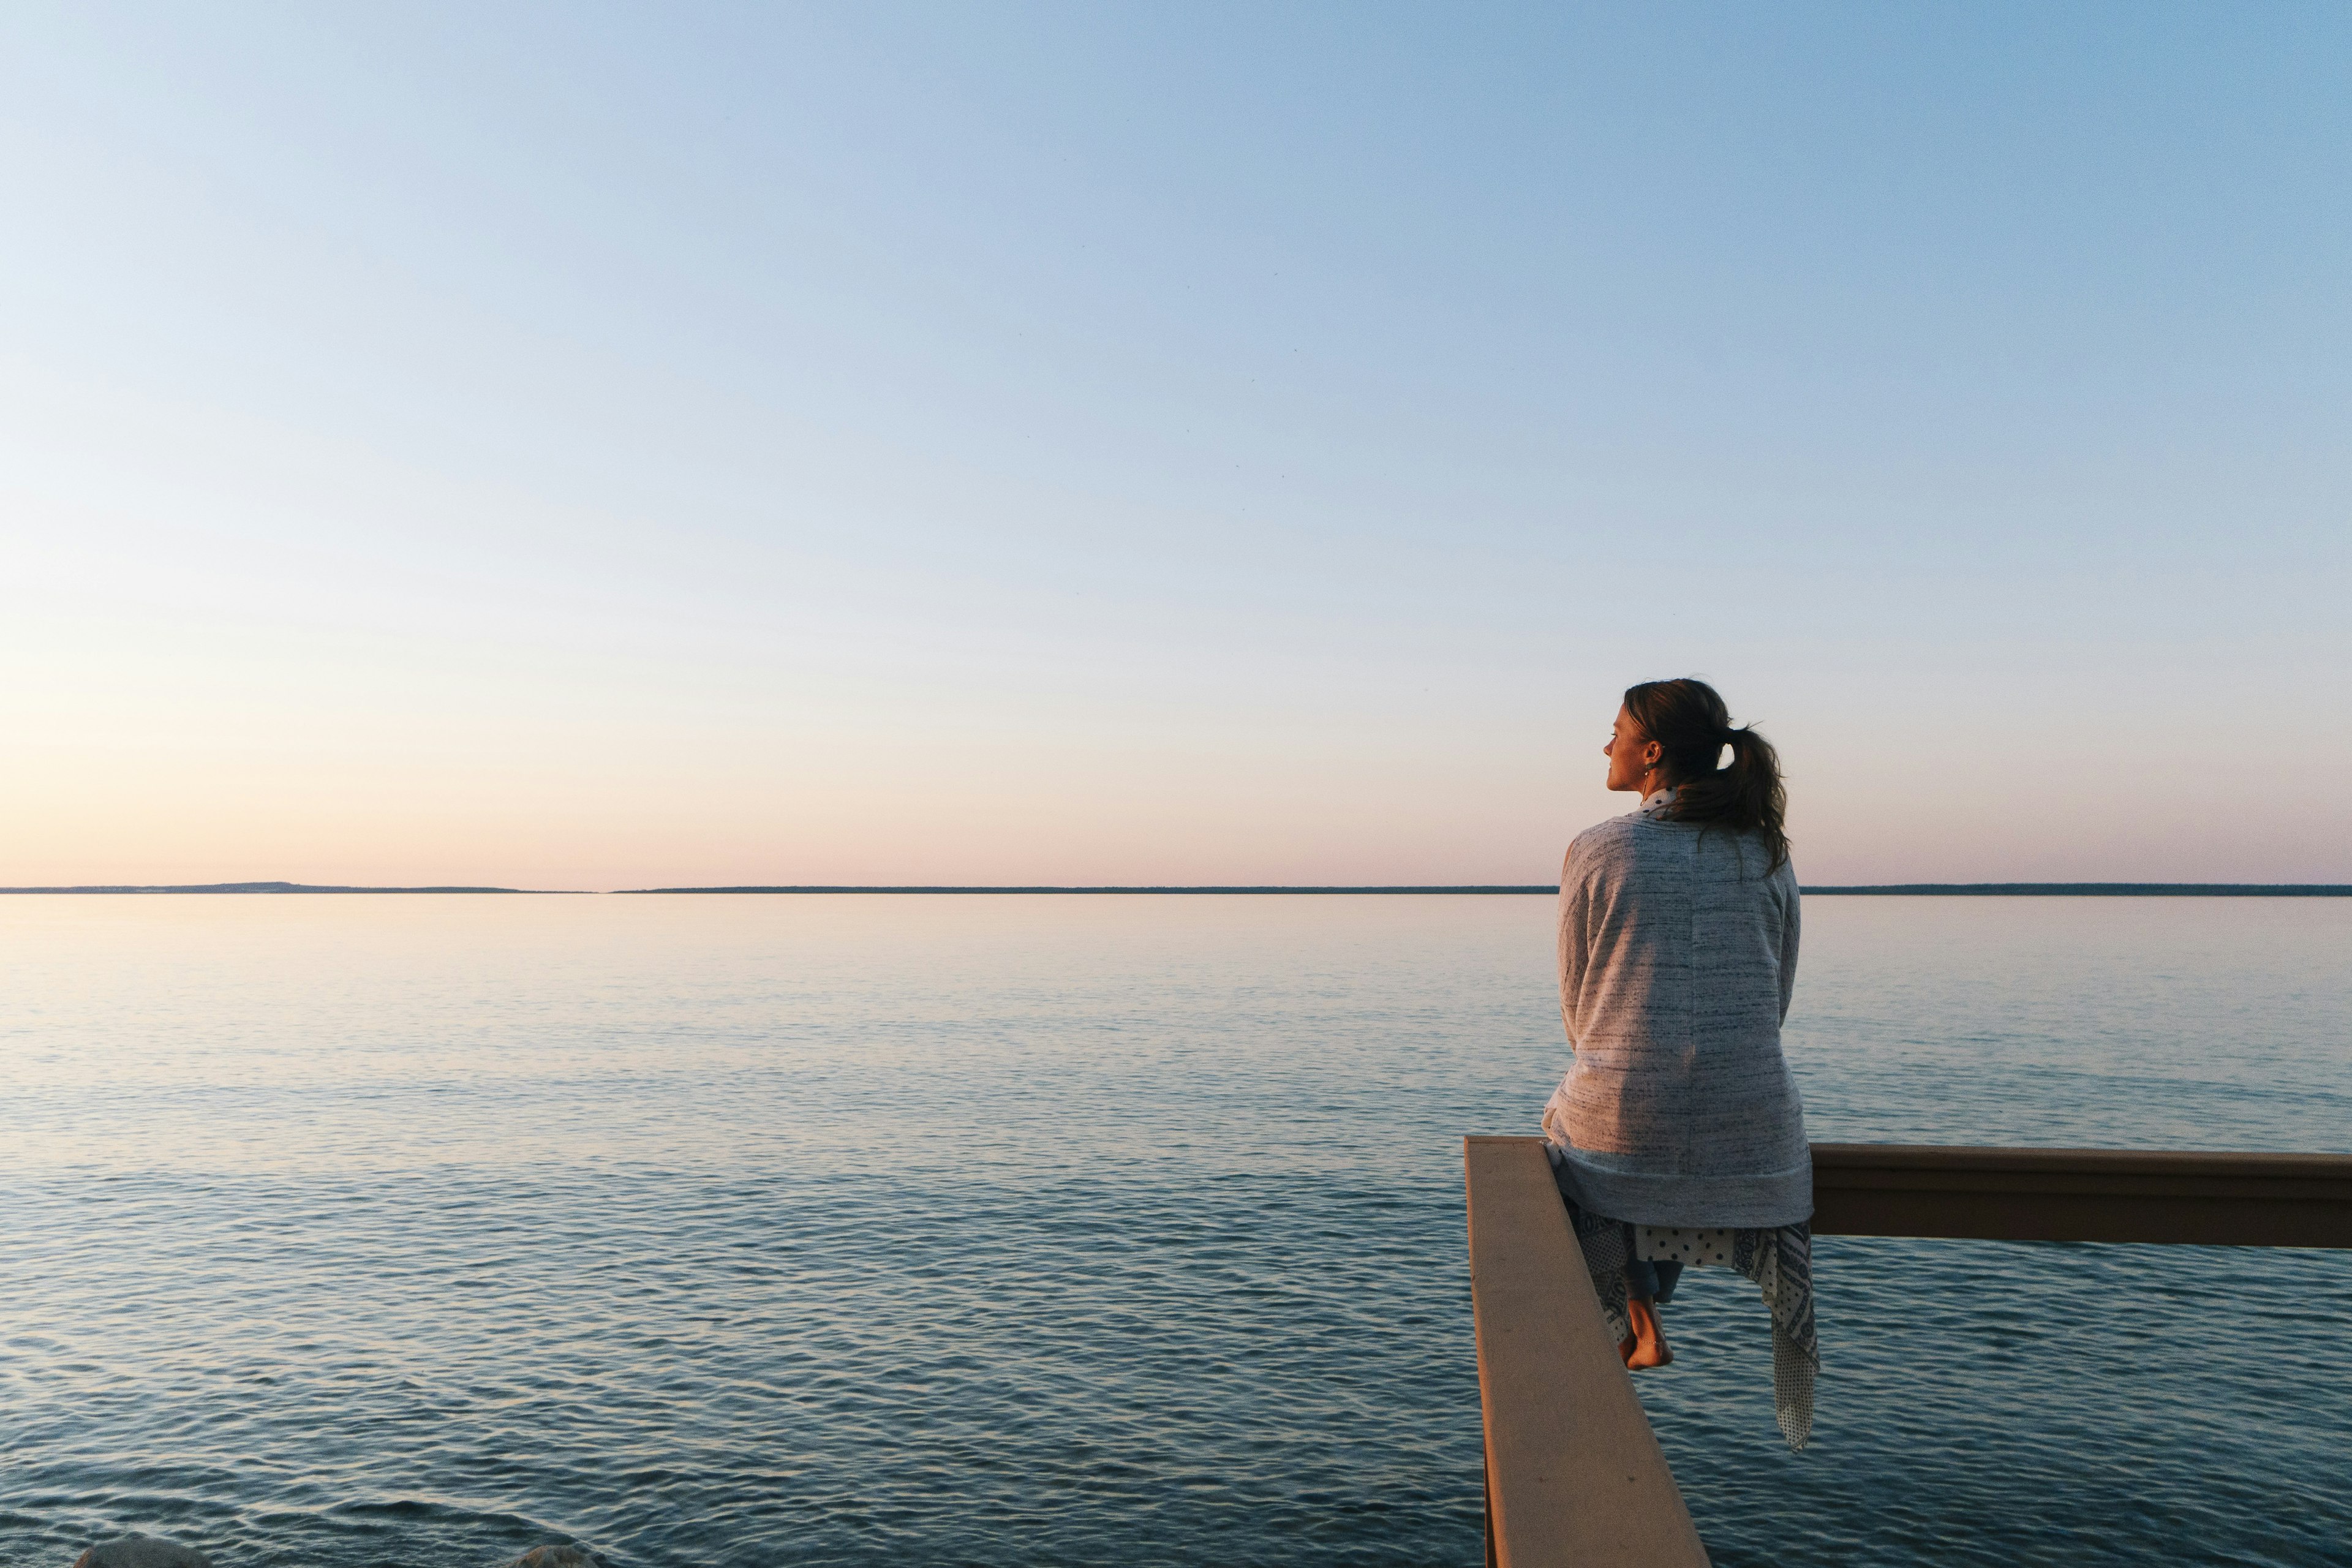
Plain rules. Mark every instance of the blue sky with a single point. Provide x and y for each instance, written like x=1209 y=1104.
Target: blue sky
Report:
x=595 y=447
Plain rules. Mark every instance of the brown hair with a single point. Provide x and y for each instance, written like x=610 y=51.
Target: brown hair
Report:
x=1689 y=720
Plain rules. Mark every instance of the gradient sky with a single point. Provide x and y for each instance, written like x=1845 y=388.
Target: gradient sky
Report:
x=590 y=446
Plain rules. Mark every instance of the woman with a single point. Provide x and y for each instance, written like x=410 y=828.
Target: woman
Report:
x=1677 y=1136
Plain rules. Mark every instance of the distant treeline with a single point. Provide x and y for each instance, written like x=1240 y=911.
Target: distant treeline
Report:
x=2106 y=889
x=1468 y=888
x=2007 y=890
x=1916 y=890
x=253 y=887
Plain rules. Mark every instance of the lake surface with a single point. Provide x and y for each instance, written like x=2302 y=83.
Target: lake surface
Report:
x=1018 y=1230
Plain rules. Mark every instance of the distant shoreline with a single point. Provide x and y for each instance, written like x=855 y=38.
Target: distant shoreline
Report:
x=1887 y=889
x=1480 y=888
x=260 y=888
x=2099 y=890
x=1961 y=890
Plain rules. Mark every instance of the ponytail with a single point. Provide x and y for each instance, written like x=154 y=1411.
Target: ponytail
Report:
x=1692 y=726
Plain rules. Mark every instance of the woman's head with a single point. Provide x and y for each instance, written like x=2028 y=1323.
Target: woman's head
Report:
x=1674 y=733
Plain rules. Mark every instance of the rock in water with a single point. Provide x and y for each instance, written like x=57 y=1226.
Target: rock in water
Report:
x=143 y=1551
x=556 y=1557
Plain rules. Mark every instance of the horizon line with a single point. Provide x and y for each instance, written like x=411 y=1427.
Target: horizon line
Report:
x=1894 y=889
x=2027 y=890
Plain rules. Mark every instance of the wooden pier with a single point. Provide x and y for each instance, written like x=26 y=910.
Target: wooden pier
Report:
x=1575 y=1478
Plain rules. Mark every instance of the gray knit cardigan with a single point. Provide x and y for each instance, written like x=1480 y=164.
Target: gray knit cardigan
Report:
x=1677 y=959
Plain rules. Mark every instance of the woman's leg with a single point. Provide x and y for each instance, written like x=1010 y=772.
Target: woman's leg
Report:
x=1646 y=1346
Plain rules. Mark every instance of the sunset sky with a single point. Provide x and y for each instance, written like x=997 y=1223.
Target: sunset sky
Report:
x=582 y=446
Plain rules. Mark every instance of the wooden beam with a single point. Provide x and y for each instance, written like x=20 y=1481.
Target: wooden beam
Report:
x=2082 y=1194
x=1574 y=1475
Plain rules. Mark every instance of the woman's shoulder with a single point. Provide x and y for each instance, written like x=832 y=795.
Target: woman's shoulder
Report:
x=1603 y=845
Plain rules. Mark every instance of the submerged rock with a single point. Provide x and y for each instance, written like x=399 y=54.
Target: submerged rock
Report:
x=143 y=1551
x=556 y=1557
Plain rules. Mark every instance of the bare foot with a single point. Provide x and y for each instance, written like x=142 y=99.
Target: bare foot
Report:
x=1648 y=1348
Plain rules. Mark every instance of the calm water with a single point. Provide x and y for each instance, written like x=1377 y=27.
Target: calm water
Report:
x=1122 y=1230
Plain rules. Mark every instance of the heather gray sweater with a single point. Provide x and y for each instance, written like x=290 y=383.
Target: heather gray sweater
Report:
x=1677 y=958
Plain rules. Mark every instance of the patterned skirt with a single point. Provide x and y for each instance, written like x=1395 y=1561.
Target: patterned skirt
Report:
x=1779 y=1260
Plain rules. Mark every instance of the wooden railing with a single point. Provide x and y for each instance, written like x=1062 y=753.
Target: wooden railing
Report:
x=1574 y=1475
x=1575 y=1478
x=2082 y=1194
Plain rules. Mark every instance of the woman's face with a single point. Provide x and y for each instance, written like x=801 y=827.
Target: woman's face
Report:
x=1632 y=755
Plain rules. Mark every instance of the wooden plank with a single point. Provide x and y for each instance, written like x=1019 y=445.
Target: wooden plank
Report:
x=1575 y=1478
x=2082 y=1194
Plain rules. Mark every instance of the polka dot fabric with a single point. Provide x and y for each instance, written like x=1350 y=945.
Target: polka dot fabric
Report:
x=1673 y=1244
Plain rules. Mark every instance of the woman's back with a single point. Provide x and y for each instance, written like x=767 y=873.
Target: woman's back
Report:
x=1678 y=954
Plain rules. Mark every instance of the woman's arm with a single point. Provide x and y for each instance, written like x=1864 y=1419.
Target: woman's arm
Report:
x=1789 y=922
x=1574 y=902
